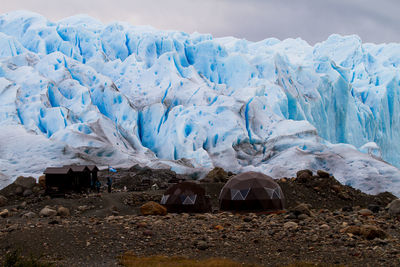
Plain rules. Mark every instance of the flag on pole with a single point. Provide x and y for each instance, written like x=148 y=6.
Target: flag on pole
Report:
x=111 y=169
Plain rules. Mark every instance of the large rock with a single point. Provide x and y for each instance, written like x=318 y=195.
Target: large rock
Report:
x=217 y=175
x=63 y=212
x=153 y=208
x=47 y=212
x=3 y=201
x=304 y=175
x=371 y=231
x=25 y=182
x=394 y=207
x=367 y=231
x=301 y=209
x=42 y=181
x=322 y=174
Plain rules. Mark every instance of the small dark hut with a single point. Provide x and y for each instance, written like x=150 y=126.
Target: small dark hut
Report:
x=68 y=178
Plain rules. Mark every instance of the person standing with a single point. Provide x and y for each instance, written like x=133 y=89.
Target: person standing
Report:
x=98 y=185
x=109 y=184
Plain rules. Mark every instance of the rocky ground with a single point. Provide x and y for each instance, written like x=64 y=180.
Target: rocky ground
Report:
x=325 y=222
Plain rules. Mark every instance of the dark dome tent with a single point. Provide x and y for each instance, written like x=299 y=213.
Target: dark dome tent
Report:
x=186 y=197
x=251 y=191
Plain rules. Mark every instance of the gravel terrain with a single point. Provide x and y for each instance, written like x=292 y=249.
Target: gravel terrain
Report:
x=324 y=222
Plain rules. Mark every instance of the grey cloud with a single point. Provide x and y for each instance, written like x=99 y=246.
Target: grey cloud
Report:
x=312 y=20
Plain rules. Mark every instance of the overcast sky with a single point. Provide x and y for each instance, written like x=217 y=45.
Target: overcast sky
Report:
x=375 y=21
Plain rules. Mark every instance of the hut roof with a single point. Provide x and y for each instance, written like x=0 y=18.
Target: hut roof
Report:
x=77 y=168
x=92 y=168
x=57 y=170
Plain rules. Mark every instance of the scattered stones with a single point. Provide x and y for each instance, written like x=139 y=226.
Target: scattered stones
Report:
x=3 y=201
x=147 y=233
x=83 y=208
x=63 y=212
x=324 y=227
x=290 y=226
x=303 y=217
x=4 y=213
x=47 y=212
x=365 y=212
x=394 y=207
x=153 y=208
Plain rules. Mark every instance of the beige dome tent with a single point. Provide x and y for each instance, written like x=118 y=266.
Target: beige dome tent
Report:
x=251 y=191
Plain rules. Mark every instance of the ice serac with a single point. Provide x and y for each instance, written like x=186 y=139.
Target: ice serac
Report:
x=77 y=90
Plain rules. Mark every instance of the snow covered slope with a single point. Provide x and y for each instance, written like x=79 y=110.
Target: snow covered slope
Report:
x=80 y=91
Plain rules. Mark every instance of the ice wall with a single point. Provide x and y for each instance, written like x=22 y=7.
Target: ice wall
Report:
x=117 y=93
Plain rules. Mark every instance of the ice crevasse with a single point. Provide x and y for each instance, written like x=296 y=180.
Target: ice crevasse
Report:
x=78 y=90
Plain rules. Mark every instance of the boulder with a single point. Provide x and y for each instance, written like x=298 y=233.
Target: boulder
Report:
x=394 y=207
x=3 y=201
x=322 y=174
x=25 y=182
x=42 y=181
x=301 y=209
x=370 y=232
x=367 y=231
x=63 y=212
x=216 y=175
x=4 y=213
x=304 y=176
x=47 y=212
x=153 y=208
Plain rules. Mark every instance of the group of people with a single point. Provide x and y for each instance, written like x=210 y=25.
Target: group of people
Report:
x=97 y=185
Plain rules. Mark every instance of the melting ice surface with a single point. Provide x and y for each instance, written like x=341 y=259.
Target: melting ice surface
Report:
x=81 y=91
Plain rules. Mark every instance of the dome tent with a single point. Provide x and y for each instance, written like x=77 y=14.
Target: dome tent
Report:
x=186 y=197
x=251 y=191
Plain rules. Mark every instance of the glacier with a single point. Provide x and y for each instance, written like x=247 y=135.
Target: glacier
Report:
x=80 y=91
